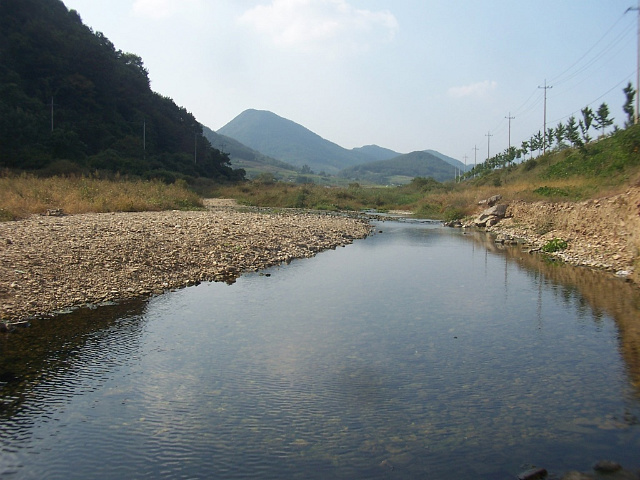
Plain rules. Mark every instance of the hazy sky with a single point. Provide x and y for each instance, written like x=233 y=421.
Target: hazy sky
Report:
x=403 y=74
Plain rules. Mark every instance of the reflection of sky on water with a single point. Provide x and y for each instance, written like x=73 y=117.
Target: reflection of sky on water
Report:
x=416 y=347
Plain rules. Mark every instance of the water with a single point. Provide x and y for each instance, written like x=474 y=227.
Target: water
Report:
x=419 y=352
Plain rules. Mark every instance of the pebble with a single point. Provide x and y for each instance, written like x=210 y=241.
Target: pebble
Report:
x=602 y=234
x=53 y=263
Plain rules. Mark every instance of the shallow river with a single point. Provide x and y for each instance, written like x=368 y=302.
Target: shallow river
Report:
x=419 y=352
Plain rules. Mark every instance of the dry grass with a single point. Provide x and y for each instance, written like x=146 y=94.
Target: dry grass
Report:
x=21 y=196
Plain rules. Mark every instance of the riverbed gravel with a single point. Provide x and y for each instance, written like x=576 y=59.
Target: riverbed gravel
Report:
x=50 y=264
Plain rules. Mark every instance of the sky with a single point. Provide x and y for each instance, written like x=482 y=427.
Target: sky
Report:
x=402 y=74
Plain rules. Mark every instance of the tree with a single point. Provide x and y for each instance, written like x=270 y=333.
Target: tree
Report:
x=537 y=142
x=602 y=118
x=630 y=95
x=586 y=138
x=561 y=132
x=550 y=137
x=585 y=124
x=572 y=132
x=512 y=153
x=106 y=115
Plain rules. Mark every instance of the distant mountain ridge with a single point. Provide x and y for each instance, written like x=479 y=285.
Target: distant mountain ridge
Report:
x=402 y=169
x=242 y=156
x=290 y=142
x=377 y=153
x=263 y=133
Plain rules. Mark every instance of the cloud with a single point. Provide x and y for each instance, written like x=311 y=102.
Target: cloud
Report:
x=474 y=90
x=310 y=25
x=159 y=9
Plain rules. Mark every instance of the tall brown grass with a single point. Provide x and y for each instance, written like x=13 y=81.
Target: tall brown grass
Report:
x=24 y=195
x=442 y=201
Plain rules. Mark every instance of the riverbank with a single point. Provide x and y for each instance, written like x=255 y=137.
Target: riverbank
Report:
x=602 y=233
x=50 y=264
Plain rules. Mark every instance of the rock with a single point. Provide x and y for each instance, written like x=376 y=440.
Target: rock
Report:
x=491 y=216
x=493 y=200
x=533 y=474
x=607 y=466
x=54 y=212
x=573 y=475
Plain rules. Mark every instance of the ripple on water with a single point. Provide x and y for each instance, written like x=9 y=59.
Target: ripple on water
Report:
x=379 y=372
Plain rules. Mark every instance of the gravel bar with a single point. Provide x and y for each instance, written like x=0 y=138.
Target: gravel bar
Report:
x=50 y=264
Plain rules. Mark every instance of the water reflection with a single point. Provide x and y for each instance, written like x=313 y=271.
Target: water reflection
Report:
x=79 y=348
x=594 y=294
x=395 y=357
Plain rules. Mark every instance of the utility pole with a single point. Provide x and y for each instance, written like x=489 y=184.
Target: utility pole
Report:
x=475 y=159
x=635 y=113
x=465 y=164
x=509 y=117
x=545 y=114
x=195 y=147
x=144 y=139
x=52 y=111
x=488 y=135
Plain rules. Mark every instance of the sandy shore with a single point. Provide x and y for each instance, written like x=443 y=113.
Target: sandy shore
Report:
x=49 y=264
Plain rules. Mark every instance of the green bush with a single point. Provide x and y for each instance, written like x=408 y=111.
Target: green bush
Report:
x=555 y=245
x=551 y=192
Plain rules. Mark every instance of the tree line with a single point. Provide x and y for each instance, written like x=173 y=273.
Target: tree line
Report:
x=576 y=133
x=71 y=102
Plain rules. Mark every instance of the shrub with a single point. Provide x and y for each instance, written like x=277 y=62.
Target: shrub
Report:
x=551 y=192
x=555 y=245
x=453 y=213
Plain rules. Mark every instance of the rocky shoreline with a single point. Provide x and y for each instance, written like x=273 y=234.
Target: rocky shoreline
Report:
x=602 y=233
x=50 y=264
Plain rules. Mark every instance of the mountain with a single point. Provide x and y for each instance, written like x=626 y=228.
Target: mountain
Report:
x=241 y=156
x=290 y=142
x=71 y=102
x=402 y=169
x=375 y=152
x=451 y=161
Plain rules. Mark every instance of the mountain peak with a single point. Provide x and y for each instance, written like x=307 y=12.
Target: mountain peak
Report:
x=288 y=141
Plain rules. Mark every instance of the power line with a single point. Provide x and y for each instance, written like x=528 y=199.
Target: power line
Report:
x=635 y=113
x=579 y=67
x=475 y=158
x=488 y=135
x=509 y=117
x=604 y=54
x=546 y=87
x=559 y=78
x=595 y=100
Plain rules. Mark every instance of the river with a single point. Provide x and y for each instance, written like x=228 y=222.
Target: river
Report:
x=419 y=352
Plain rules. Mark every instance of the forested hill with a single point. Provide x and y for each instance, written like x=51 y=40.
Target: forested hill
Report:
x=402 y=169
x=71 y=102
